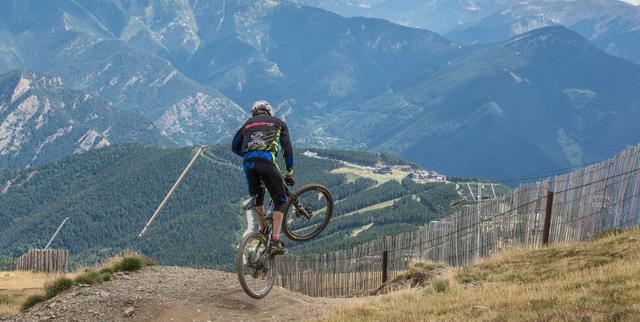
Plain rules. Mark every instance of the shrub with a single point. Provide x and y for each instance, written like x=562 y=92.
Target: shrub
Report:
x=59 y=285
x=51 y=289
x=106 y=276
x=468 y=278
x=87 y=278
x=465 y=280
x=94 y=277
x=441 y=285
x=129 y=264
x=106 y=270
x=31 y=301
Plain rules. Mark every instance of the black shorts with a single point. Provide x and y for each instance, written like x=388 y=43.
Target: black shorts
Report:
x=258 y=171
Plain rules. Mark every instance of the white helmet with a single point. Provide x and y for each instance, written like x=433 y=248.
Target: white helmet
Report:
x=262 y=106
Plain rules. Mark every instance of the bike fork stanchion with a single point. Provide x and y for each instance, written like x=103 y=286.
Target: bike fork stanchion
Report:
x=173 y=189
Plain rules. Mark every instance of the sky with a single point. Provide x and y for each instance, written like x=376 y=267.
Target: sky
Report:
x=635 y=2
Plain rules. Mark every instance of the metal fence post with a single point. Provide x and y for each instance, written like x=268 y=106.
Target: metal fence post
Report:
x=547 y=218
x=385 y=265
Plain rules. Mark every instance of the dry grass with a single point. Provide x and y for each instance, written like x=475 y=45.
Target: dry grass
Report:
x=11 y=300
x=595 y=281
x=24 y=280
x=16 y=287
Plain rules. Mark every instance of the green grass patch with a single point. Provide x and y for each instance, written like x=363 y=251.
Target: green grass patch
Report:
x=105 y=277
x=441 y=285
x=467 y=276
x=32 y=300
x=89 y=277
x=59 y=285
x=106 y=270
x=129 y=264
x=93 y=277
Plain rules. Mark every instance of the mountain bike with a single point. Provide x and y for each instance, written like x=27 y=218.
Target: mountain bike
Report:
x=307 y=212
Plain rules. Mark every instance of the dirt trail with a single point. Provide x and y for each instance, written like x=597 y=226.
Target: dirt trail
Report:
x=176 y=294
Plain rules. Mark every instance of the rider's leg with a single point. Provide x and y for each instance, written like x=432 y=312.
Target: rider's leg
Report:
x=270 y=175
x=260 y=215
x=277 y=224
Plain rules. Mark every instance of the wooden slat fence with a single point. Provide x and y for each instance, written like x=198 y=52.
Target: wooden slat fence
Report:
x=585 y=202
x=44 y=260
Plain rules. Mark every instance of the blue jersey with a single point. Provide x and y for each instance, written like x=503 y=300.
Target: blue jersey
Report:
x=261 y=137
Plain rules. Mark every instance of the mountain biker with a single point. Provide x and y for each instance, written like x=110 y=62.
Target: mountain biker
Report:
x=258 y=142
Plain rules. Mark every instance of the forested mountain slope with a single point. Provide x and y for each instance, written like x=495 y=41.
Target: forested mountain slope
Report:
x=110 y=193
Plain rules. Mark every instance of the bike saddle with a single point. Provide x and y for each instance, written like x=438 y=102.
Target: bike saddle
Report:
x=249 y=203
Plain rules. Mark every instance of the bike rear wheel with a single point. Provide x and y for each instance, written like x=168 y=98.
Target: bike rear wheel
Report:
x=307 y=213
x=254 y=266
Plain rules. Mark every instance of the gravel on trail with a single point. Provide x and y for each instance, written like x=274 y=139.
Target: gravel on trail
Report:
x=176 y=294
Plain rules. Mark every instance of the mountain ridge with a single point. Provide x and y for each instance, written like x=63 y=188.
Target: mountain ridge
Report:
x=44 y=120
x=495 y=79
x=193 y=68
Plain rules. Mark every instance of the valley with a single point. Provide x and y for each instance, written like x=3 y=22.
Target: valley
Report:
x=461 y=107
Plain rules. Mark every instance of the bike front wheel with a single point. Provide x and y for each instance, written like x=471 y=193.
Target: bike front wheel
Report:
x=254 y=266
x=307 y=212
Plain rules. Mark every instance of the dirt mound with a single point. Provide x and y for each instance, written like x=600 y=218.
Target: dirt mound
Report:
x=175 y=294
x=417 y=275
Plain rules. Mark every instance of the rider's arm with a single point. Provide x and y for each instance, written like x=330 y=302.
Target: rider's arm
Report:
x=287 y=149
x=236 y=145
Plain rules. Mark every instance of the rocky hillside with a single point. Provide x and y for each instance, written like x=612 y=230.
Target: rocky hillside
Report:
x=65 y=39
x=42 y=120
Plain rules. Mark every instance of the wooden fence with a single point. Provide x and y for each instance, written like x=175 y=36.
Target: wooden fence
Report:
x=44 y=260
x=575 y=206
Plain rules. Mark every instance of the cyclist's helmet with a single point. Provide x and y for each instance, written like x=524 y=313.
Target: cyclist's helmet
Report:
x=261 y=107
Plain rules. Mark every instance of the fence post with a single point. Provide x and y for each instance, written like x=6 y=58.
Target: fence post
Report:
x=385 y=264
x=547 y=218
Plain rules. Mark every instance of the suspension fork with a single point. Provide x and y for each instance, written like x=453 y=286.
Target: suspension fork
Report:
x=296 y=204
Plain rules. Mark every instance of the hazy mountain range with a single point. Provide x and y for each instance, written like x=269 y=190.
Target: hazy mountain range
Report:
x=612 y=25
x=542 y=100
x=438 y=15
